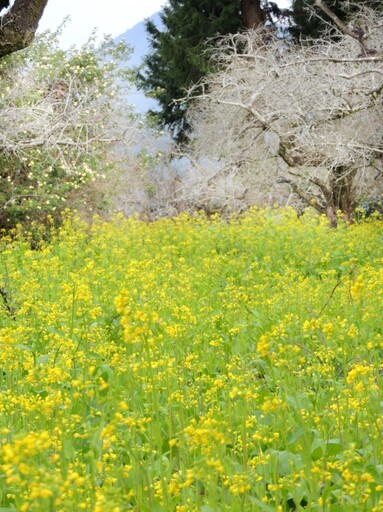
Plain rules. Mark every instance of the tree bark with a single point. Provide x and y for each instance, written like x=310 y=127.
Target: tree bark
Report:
x=252 y=14
x=343 y=193
x=19 y=25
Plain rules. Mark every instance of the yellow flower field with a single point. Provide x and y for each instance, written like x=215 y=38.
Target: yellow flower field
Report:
x=193 y=365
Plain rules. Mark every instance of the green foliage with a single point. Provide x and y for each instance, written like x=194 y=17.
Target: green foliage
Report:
x=187 y=365
x=58 y=112
x=180 y=56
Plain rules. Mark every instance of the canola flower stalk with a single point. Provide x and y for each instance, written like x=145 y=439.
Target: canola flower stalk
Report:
x=192 y=364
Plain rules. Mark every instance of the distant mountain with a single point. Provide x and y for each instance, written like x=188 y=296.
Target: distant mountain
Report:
x=136 y=37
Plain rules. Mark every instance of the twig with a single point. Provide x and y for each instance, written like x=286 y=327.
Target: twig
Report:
x=339 y=282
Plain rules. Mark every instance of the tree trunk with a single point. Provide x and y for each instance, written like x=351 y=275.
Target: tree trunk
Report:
x=342 y=195
x=19 y=25
x=252 y=14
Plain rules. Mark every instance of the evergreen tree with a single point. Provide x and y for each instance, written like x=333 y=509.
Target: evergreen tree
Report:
x=180 y=56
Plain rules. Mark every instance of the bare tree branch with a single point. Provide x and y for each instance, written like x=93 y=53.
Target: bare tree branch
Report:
x=356 y=33
x=309 y=111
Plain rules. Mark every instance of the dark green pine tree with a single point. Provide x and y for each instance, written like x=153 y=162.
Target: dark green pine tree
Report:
x=179 y=55
x=313 y=23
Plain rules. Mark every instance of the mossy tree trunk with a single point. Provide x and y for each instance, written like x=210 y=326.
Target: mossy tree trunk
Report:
x=19 y=25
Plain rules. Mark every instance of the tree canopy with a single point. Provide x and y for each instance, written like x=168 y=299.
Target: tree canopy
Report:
x=308 y=116
x=180 y=56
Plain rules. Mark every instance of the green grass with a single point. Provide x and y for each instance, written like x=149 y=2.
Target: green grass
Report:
x=193 y=365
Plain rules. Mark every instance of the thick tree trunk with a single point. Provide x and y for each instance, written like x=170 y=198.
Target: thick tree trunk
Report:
x=252 y=14
x=19 y=25
x=338 y=196
x=342 y=196
x=342 y=185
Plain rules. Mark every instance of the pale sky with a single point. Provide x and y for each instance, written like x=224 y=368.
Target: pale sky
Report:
x=109 y=16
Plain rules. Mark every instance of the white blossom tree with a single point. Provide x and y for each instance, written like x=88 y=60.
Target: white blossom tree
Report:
x=60 y=115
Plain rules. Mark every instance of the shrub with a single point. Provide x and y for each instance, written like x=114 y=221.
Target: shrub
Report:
x=59 y=114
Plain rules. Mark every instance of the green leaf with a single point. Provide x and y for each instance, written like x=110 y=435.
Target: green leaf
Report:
x=295 y=435
x=333 y=447
x=264 y=507
x=27 y=348
x=42 y=359
x=41 y=392
x=53 y=330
